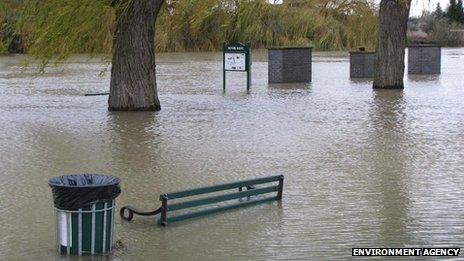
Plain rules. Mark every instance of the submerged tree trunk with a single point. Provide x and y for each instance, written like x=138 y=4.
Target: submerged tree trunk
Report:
x=133 y=78
x=391 y=44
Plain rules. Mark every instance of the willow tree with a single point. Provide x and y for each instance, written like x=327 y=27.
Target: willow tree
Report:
x=391 y=44
x=124 y=29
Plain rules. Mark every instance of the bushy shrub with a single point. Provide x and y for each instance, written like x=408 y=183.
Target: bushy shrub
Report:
x=447 y=34
x=437 y=28
x=9 y=39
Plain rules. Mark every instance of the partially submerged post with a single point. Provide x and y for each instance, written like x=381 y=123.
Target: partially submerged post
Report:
x=362 y=64
x=424 y=59
x=289 y=64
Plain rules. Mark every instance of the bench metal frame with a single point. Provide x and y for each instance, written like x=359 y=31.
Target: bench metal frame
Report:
x=250 y=191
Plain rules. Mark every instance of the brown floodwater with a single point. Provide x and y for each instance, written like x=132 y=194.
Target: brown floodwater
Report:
x=363 y=167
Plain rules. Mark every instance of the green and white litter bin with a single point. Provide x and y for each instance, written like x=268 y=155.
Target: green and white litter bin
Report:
x=84 y=210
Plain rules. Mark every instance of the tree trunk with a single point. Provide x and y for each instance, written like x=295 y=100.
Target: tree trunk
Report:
x=133 y=77
x=393 y=24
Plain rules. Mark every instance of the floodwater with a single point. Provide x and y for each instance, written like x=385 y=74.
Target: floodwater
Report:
x=363 y=167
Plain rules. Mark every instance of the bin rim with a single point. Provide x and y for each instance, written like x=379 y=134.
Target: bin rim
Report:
x=116 y=181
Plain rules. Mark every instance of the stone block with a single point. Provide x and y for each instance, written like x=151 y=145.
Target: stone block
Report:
x=289 y=64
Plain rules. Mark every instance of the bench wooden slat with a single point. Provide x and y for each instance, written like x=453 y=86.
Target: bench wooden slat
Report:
x=220 y=198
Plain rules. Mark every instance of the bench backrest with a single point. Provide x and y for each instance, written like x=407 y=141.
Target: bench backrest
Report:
x=166 y=206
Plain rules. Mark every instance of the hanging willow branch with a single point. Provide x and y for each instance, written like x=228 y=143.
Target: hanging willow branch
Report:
x=56 y=29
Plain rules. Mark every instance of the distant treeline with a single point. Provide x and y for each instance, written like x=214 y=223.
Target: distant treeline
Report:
x=42 y=26
x=445 y=27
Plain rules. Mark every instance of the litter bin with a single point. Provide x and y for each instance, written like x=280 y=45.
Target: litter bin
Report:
x=84 y=210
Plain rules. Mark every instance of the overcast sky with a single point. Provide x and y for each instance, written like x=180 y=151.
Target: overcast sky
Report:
x=417 y=6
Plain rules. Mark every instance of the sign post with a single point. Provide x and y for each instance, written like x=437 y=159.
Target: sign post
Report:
x=237 y=57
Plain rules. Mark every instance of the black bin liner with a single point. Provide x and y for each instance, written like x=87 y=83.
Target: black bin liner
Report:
x=71 y=192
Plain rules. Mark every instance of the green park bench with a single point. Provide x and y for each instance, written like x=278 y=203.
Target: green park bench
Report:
x=172 y=201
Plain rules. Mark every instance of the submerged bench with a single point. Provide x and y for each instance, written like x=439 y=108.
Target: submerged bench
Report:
x=249 y=185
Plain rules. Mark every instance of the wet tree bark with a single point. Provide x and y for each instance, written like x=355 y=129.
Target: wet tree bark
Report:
x=133 y=78
x=391 y=44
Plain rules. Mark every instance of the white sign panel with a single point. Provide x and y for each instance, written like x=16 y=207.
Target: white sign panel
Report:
x=234 y=62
